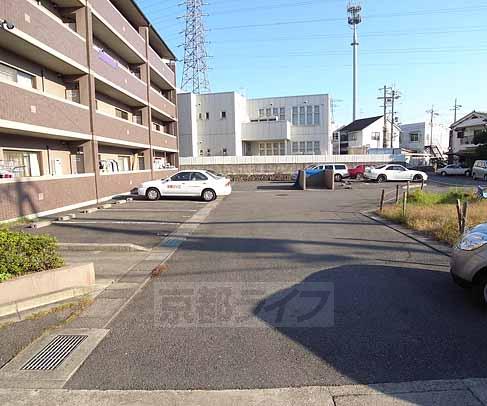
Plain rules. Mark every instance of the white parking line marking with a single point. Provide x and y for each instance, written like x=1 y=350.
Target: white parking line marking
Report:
x=156 y=210
x=117 y=222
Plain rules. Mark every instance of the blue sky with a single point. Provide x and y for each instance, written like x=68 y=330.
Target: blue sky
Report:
x=432 y=51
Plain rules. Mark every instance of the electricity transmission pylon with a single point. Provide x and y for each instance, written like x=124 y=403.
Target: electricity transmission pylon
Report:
x=195 y=63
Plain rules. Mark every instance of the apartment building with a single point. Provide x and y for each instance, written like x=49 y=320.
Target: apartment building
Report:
x=418 y=137
x=229 y=124
x=87 y=103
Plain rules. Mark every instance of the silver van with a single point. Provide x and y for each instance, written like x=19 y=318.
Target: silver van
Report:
x=479 y=170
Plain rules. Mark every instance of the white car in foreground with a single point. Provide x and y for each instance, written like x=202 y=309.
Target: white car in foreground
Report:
x=204 y=184
x=394 y=172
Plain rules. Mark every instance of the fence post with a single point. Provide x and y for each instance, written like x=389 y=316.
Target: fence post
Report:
x=382 y=200
x=397 y=194
x=464 y=216
x=407 y=187
x=422 y=183
x=459 y=216
x=404 y=203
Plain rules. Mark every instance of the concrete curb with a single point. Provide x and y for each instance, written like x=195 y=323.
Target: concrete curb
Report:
x=414 y=235
x=80 y=247
x=40 y=224
x=50 y=286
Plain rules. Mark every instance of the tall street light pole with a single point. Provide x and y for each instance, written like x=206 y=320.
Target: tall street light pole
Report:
x=354 y=19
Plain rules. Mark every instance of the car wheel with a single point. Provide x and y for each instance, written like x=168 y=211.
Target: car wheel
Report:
x=359 y=176
x=443 y=173
x=208 y=195
x=485 y=177
x=153 y=194
x=338 y=177
x=479 y=292
x=467 y=173
x=474 y=176
x=417 y=178
x=381 y=178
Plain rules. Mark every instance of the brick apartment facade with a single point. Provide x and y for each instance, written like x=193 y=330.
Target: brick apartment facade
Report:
x=87 y=104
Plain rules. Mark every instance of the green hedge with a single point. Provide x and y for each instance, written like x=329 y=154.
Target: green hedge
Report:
x=22 y=253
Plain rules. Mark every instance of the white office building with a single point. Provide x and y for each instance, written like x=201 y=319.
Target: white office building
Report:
x=219 y=124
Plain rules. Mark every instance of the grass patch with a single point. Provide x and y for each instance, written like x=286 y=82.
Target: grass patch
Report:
x=22 y=253
x=435 y=214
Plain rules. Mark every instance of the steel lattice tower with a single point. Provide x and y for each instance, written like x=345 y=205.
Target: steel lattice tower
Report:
x=195 y=63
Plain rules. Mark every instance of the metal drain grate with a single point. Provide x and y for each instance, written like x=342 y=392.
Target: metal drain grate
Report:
x=54 y=353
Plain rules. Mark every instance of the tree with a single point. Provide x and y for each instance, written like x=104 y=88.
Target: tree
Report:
x=480 y=139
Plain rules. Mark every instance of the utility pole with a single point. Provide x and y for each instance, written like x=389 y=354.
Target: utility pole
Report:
x=384 y=130
x=455 y=109
x=388 y=98
x=432 y=113
x=395 y=96
x=354 y=19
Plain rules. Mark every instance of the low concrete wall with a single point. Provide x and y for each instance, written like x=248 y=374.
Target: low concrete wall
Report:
x=25 y=289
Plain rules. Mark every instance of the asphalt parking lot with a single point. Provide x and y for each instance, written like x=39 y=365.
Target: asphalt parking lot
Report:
x=138 y=222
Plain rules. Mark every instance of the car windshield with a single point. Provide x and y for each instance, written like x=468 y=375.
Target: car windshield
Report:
x=214 y=175
x=380 y=167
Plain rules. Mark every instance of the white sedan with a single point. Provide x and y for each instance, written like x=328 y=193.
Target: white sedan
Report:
x=394 y=172
x=204 y=184
x=454 y=170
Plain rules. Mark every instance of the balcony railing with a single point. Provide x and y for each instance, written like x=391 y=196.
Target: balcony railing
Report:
x=162 y=104
x=118 y=75
x=124 y=130
x=162 y=68
x=30 y=19
x=112 y=16
x=34 y=108
x=163 y=140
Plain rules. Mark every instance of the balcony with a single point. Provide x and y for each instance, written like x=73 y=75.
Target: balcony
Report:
x=161 y=68
x=114 y=20
x=109 y=69
x=31 y=20
x=162 y=104
x=118 y=129
x=163 y=140
x=266 y=131
x=33 y=108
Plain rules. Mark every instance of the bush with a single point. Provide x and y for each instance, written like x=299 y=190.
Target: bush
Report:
x=429 y=198
x=22 y=253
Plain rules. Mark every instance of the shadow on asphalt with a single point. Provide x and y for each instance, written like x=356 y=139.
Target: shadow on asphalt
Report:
x=289 y=186
x=391 y=324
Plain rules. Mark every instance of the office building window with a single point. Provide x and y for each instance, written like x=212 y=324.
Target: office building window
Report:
x=414 y=137
x=207 y=115
x=302 y=147
x=302 y=116
x=317 y=149
x=261 y=113
x=295 y=147
x=309 y=147
x=295 y=116
x=121 y=114
x=268 y=112
x=317 y=117
x=272 y=148
x=275 y=112
x=282 y=113
x=262 y=149
x=282 y=148
x=223 y=115
x=309 y=115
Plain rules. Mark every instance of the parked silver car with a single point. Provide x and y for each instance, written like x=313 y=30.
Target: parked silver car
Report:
x=469 y=262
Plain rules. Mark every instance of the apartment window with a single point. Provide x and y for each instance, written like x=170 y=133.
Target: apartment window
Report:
x=141 y=162
x=275 y=112
x=295 y=116
x=123 y=163
x=282 y=113
x=157 y=126
x=223 y=115
x=316 y=148
x=121 y=114
x=15 y=75
x=376 y=136
x=352 y=137
x=207 y=116
x=302 y=115
x=137 y=118
x=317 y=115
x=461 y=134
x=25 y=163
x=295 y=147
x=72 y=92
x=302 y=147
x=414 y=137
x=261 y=113
x=309 y=115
